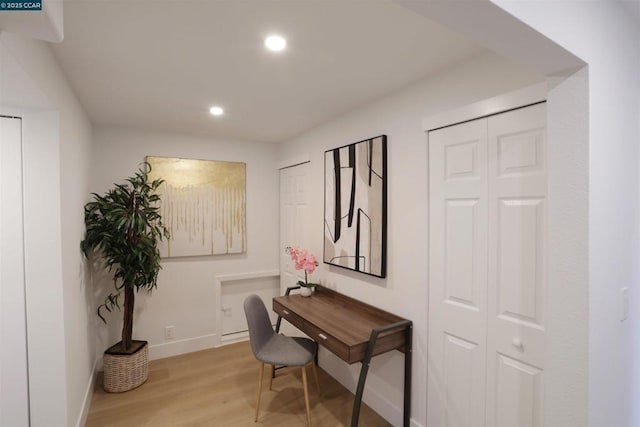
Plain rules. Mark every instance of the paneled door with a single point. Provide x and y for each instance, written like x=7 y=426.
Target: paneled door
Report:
x=517 y=267
x=457 y=275
x=294 y=200
x=293 y=217
x=14 y=399
x=487 y=227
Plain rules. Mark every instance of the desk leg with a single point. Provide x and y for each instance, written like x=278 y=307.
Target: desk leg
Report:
x=408 y=327
x=355 y=414
x=408 y=358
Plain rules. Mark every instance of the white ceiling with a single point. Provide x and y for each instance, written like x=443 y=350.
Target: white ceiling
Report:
x=633 y=8
x=162 y=64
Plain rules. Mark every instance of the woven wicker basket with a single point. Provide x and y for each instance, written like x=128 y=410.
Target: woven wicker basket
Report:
x=123 y=372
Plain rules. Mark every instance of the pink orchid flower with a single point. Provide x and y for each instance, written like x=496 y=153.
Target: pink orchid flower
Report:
x=303 y=260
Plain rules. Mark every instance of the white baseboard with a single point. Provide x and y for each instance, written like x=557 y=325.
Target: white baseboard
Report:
x=234 y=338
x=86 y=404
x=176 y=348
x=387 y=409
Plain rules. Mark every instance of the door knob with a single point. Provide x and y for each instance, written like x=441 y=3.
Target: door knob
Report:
x=517 y=343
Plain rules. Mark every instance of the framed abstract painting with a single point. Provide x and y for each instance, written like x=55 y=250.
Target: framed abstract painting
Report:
x=355 y=206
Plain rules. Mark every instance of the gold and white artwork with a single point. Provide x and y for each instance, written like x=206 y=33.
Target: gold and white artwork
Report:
x=202 y=204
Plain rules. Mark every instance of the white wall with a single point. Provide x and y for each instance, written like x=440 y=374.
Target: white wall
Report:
x=57 y=137
x=565 y=396
x=404 y=291
x=606 y=37
x=185 y=297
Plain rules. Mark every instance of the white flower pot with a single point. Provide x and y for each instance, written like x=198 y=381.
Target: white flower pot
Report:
x=306 y=292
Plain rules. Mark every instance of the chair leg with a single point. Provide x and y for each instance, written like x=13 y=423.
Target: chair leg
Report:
x=315 y=375
x=272 y=376
x=259 y=391
x=306 y=394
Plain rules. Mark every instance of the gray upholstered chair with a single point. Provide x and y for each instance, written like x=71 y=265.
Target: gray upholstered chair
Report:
x=274 y=349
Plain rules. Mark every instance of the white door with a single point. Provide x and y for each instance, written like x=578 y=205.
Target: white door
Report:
x=293 y=219
x=14 y=399
x=517 y=267
x=487 y=271
x=457 y=275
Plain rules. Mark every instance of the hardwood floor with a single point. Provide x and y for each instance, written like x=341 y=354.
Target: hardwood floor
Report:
x=217 y=387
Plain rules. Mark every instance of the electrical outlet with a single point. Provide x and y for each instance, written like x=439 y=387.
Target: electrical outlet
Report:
x=625 y=303
x=169 y=332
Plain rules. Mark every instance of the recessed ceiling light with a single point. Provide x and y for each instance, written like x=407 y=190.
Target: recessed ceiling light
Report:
x=275 y=43
x=216 y=111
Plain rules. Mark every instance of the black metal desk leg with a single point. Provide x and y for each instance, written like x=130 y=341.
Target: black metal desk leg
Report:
x=408 y=359
x=408 y=327
x=355 y=414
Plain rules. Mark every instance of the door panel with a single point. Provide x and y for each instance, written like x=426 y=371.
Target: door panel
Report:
x=457 y=275
x=293 y=226
x=519 y=393
x=293 y=215
x=461 y=368
x=520 y=260
x=517 y=266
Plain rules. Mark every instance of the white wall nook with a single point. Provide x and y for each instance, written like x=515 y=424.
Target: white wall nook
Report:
x=231 y=291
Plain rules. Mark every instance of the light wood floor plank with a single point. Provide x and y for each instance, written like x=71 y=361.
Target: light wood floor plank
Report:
x=217 y=387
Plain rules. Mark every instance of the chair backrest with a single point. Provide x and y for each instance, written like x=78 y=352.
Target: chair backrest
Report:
x=260 y=329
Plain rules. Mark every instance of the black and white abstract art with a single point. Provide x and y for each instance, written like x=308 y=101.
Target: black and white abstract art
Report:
x=355 y=206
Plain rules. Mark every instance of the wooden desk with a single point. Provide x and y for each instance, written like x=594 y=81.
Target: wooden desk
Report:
x=352 y=330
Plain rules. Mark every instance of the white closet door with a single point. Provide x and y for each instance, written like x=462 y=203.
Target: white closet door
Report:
x=293 y=219
x=517 y=267
x=14 y=400
x=487 y=271
x=457 y=275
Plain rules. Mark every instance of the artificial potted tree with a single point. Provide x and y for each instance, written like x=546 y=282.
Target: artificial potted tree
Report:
x=123 y=230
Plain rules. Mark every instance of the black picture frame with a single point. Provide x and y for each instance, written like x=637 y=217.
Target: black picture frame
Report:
x=355 y=192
